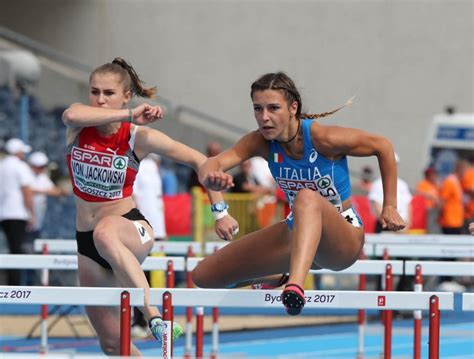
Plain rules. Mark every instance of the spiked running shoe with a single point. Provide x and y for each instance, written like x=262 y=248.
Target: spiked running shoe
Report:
x=157 y=327
x=293 y=299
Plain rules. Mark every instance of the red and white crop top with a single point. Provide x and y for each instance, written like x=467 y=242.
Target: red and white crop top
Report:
x=103 y=168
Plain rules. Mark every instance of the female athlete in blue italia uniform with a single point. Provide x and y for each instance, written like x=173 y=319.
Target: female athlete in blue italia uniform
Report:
x=308 y=161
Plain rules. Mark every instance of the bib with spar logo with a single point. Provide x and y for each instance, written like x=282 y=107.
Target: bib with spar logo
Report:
x=313 y=171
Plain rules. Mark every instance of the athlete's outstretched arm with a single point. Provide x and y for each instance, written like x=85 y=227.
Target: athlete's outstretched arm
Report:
x=79 y=115
x=334 y=142
x=152 y=141
x=212 y=173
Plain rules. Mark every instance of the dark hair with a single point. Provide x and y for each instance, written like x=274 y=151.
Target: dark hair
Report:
x=281 y=81
x=130 y=79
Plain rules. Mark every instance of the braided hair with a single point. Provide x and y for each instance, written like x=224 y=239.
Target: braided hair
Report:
x=281 y=81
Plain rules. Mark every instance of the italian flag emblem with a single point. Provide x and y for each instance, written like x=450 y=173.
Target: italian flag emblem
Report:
x=277 y=157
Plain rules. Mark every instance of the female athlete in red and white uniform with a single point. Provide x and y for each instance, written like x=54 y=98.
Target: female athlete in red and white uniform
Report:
x=105 y=145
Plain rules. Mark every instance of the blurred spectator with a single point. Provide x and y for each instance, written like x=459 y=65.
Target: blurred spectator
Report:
x=467 y=183
x=364 y=185
x=260 y=171
x=42 y=187
x=213 y=148
x=429 y=189
x=168 y=179
x=404 y=209
x=403 y=200
x=148 y=196
x=16 y=199
x=451 y=196
x=246 y=182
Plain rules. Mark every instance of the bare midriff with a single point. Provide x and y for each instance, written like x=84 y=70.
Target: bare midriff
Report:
x=88 y=214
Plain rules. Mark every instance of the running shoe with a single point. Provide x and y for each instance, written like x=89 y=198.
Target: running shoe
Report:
x=293 y=298
x=157 y=326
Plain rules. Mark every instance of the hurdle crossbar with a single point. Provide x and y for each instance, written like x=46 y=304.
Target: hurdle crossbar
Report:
x=424 y=251
x=69 y=262
x=440 y=268
x=211 y=247
x=70 y=246
x=68 y=295
x=420 y=239
x=362 y=266
x=245 y=298
x=468 y=302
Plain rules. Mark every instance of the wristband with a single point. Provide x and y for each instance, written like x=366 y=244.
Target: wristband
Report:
x=220 y=215
x=130 y=115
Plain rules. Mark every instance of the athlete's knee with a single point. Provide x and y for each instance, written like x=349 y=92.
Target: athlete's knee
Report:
x=199 y=278
x=202 y=279
x=110 y=345
x=345 y=260
x=306 y=199
x=105 y=239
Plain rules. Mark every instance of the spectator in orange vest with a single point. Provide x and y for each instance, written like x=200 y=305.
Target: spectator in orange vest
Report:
x=428 y=188
x=467 y=183
x=452 y=206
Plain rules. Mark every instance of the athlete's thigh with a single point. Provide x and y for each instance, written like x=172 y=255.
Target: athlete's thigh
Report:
x=137 y=236
x=340 y=241
x=255 y=255
x=105 y=320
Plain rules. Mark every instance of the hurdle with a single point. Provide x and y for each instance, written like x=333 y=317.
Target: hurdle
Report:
x=419 y=239
x=211 y=247
x=430 y=268
x=200 y=298
x=468 y=302
x=69 y=262
x=424 y=251
x=123 y=297
x=360 y=267
x=70 y=246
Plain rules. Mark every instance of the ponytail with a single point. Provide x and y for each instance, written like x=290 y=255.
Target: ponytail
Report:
x=324 y=114
x=131 y=80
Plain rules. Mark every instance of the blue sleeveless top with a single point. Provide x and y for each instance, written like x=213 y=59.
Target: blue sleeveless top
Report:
x=313 y=171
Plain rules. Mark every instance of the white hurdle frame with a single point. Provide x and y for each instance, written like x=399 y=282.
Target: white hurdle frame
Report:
x=424 y=251
x=468 y=302
x=419 y=239
x=211 y=247
x=434 y=302
x=123 y=297
x=46 y=262
x=69 y=262
x=70 y=246
x=360 y=267
x=431 y=268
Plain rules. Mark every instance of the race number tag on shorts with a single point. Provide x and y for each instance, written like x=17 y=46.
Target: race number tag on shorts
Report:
x=144 y=236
